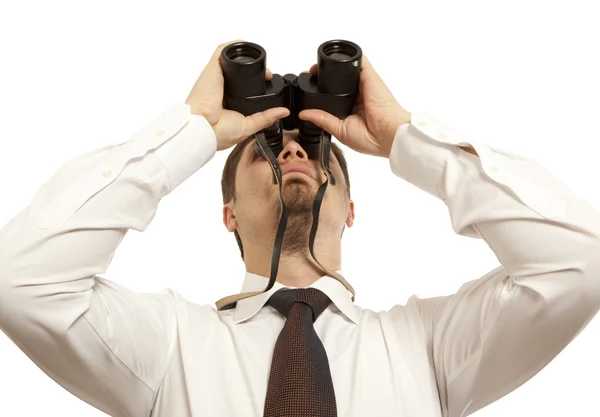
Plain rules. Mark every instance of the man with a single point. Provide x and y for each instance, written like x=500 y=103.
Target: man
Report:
x=133 y=354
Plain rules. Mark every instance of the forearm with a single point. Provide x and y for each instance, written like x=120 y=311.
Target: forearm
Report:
x=524 y=213
x=87 y=333
x=512 y=321
x=70 y=231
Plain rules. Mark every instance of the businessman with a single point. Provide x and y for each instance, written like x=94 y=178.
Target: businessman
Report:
x=303 y=347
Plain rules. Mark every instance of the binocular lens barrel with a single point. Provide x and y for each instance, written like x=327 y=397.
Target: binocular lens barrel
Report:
x=244 y=65
x=338 y=67
x=334 y=90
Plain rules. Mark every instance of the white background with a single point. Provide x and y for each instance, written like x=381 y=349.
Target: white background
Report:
x=519 y=75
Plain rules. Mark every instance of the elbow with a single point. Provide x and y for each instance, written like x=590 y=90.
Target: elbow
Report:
x=28 y=306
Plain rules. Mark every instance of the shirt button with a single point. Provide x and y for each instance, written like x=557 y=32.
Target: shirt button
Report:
x=106 y=173
x=422 y=123
x=493 y=169
x=159 y=133
x=441 y=135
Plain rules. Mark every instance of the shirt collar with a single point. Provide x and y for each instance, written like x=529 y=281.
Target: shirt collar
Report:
x=335 y=290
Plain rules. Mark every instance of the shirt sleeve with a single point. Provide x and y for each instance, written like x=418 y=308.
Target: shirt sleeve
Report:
x=498 y=331
x=107 y=345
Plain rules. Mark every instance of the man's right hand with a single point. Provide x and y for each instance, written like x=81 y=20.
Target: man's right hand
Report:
x=231 y=127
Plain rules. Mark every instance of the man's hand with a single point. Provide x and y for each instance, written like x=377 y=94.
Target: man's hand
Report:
x=376 y=116
x=231 y=127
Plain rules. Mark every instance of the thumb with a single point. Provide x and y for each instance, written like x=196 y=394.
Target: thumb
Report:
x=213 y=71
x=325 y=121
x=262 y=120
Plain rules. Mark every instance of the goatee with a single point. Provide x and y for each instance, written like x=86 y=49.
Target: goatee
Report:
x=298 y=196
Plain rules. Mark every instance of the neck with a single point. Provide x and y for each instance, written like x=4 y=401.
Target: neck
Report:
x=297 y=268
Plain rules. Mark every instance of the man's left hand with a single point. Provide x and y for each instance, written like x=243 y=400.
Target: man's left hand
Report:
x=376 y=116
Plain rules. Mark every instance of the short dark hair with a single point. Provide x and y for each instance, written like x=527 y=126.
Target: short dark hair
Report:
x=230 y=169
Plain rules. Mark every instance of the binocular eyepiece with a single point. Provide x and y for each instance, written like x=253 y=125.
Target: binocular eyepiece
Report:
x=333 y=89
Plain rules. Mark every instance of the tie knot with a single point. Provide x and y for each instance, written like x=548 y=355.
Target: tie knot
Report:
x=285 y=298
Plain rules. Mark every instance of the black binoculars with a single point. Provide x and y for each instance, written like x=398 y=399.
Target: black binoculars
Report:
x=333 y=89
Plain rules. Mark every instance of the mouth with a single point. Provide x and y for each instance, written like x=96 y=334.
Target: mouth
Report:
x=295 y=172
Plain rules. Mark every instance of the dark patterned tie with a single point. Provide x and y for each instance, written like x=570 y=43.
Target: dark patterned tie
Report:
x=300 y=383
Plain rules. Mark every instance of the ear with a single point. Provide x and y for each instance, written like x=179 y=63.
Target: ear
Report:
x=229 y=219
x=350 y=218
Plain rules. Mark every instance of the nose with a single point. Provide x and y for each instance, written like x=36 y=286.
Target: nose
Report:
x=292 y=150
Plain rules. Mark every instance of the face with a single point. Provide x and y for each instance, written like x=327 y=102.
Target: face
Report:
x=257 y=209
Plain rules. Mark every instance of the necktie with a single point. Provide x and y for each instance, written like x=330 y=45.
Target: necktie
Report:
x=300 y=381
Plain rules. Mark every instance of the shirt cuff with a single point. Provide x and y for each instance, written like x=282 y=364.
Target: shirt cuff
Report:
x=189 y=149
x=422 y=148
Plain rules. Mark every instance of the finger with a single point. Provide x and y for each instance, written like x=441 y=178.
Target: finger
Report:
x=378 y=87
x=368 y=68
x=370 y=72
x=213 y=72
x=216 y=58
x=264 y=119
x=268 y=75
x=312 y=70
x=222 y=46
x=325 y=121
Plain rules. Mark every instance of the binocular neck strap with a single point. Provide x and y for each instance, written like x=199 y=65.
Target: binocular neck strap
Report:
x=230 y=301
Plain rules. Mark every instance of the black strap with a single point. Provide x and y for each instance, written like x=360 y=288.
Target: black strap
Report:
x=277 y=179
x=266 y=151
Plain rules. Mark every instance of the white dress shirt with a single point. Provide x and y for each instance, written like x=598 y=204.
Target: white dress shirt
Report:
x=140 y=354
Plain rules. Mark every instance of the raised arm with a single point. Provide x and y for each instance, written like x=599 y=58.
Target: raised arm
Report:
x=106 y=344
x=498 y=331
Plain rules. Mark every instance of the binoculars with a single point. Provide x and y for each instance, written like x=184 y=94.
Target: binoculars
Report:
x=333 y=89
